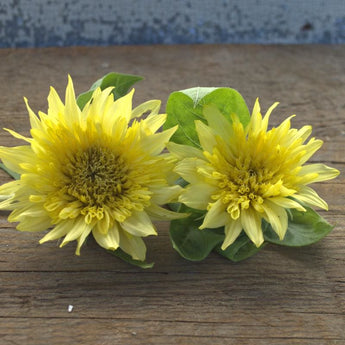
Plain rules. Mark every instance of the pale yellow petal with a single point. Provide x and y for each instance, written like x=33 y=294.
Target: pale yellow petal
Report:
x=81 y=239
x=323 y=172
x=72 y=111
x=198 y=195
x=277 y=217
x=34 y=224
x=9 y=188
x=60 y=230
x=139 y=224
x=256 y=118
x=122 y=107
x=232 y=230
x=184 y=151
x=149 y=108
x=207 y=136
x=12 y=157
x=132 y=245
x=34 y=120
x=78 y=229
x=152 y=123
x=155 y=143
x=18 y=136
x=265 y=120
x=158 y=213
x=56 y=108
x=188 y=169
x=251 y=222
x=216 y=216
x=163 y=195
x=217 y=121
x=310 y=197
x=311 y=147
x=110 y=240
x=287 y=203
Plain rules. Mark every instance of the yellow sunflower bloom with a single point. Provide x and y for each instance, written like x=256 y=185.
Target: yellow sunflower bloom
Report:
x=98 y=170
x=243 y=175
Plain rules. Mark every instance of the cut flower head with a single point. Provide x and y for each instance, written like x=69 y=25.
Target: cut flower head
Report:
x=99 y=169
x=242 y=175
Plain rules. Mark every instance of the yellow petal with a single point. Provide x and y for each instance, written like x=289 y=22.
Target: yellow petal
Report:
x=110 y=240
x=33 y=224
x=158 y=213
x=12 y=157
x=122 y=107
x=206 y=136
x=34 y=121
x=217 y=121
x=251 y=222
x=188 y=169
x=216 y=216
x=232 y=230
x=150 y=107
x=8 y=189
x=323 y=172
x=164 y=195
x=132 y=245
x=311 y=147
x=277 y=217
x=60 y=230
x=152 y=123
x=18 y=136
x=72 y=111
x=155 y=143
x=309 y=196
x=287 y=203
x=139 y=224
x=197 y=195
x=79 y=228
x=55 y=106
x=265 y=120
x=184 y=151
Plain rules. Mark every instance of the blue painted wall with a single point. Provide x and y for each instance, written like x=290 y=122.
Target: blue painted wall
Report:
x=40 y=23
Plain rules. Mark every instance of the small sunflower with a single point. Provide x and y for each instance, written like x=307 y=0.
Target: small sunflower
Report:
x=99 y=170
x=242 y=175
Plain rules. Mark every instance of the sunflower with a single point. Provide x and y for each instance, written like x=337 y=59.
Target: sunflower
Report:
x=244 y=174
x=99 y=170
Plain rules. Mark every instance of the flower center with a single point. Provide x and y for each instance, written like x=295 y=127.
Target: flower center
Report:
x=100 y=181
x=242 y=186
x=97 y=176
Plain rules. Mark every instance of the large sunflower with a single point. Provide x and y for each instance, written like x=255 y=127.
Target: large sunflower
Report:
x=242 y=175
x=98 y=170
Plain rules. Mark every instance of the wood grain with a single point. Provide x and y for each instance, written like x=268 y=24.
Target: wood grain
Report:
x=280 y=296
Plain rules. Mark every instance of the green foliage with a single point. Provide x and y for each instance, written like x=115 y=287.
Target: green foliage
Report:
x=191 y=242
x=126 y=257
x=121 y=83
x=186 y=106
x=304 y=228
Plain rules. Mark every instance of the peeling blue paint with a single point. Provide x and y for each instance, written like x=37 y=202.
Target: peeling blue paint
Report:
x=41 y=23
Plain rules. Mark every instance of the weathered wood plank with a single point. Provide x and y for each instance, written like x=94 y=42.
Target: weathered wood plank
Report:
x=123 y=331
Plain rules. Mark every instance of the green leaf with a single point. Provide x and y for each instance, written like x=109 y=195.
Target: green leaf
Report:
x=186 y=106
x=241 y=249
x=191 y=242
x=10 y=172
x=304 y=228
x=126 y=257
x=121 y=83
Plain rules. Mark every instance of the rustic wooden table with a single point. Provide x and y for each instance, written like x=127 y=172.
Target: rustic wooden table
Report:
x=279 y=296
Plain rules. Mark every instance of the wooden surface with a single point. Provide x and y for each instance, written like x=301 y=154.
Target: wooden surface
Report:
x=280 y=296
